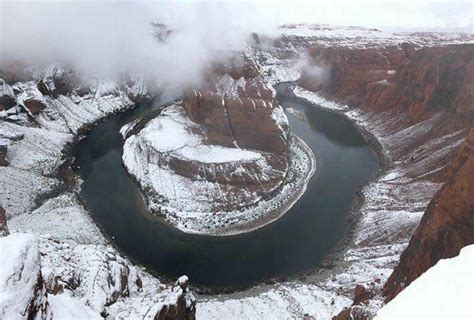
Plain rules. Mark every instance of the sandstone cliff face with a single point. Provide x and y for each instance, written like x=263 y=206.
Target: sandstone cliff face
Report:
x=352 y=71
x=245 y=120
x=446 y=227
x=422 y=81
x=432 y=80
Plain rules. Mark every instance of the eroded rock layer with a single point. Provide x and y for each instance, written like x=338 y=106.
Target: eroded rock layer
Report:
x=226 y=149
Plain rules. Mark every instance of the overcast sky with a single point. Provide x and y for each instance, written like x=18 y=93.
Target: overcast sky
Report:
x=110 y=36
x=406 y=13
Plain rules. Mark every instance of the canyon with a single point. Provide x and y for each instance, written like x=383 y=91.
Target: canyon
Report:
x=410 y=94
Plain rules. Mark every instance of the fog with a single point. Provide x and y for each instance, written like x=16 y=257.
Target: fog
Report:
x=108 y=37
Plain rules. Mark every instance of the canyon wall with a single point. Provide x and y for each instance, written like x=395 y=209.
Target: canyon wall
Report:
x=406 y=87
x=446 y=227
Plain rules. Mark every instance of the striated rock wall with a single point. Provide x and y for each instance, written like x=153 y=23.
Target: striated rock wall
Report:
x=245 y=119
x=404 y=77
x=447 y=224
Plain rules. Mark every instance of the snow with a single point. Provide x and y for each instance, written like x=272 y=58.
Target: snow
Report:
x=226 y=86
x=217 y=154
x=360 y=37
x=173 y=131
x=445 y=291
x=63 y=218
x=74 y=253
x=19 y=271
x=283 y=301
x=64 y=306
x=317 y=99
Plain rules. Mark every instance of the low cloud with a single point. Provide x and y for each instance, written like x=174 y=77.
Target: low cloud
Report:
x=108 y=38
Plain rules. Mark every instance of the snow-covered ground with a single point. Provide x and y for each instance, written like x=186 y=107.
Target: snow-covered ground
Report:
x=359 y=37
x=148 y=154
x=55 y=250
x=445 y=291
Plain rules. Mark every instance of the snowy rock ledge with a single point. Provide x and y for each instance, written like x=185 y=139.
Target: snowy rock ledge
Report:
x=210 y=189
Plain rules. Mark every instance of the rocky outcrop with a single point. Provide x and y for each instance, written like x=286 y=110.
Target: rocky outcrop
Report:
x=3 y=155
x=446 y=227
x=185 y=306
x=57 y=80
x=7 y=97
x=3 y=222
x=239 y=113
x=21 y=283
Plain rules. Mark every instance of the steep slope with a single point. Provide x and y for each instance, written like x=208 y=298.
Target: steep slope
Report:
x=447 y=224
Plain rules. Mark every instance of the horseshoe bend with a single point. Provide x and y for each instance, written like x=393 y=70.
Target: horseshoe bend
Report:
x=171 y=167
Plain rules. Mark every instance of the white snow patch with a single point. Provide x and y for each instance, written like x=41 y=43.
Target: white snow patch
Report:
x=315 y=98
x=445 y=291
x=19 y=271
x=63 y=306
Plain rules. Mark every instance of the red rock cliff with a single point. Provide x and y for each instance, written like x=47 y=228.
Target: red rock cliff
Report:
x=446 y=227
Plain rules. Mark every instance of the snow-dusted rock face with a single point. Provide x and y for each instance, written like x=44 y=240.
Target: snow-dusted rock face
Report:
x=22 y=289
x=219 y=160
x=3 y=222
x=7 y=97
x=239 y=113
x=393 y=203
x=413 y=110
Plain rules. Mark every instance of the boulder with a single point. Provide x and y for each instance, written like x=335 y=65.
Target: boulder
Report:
x=30 y=98
x=184 y=307
x=3 y=222
x=7 y=97
x=3 y=156
x=34 y=105
x=361 y=294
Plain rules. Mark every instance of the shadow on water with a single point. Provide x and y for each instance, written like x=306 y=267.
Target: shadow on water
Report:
x=295 y=243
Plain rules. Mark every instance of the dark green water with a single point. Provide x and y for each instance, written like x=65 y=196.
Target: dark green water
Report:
x=295 y=243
